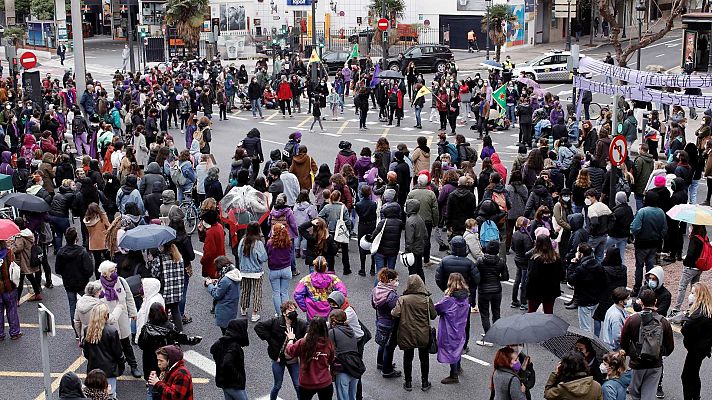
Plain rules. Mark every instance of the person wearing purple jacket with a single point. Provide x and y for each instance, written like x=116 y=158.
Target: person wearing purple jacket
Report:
x=279 y=252
x=363 y=165
x=346 y=72
x=556 y=113
x=282 y=214
x=345 y=156
x=383 y=299
x=453 y=310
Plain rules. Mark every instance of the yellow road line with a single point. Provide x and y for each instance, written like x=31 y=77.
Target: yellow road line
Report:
x=29 y=374
x=305 y=121
x=385 y=132
x=25 y=298
x=65 y=327
x=55 y=383
x=343 y=126
x=273 y=115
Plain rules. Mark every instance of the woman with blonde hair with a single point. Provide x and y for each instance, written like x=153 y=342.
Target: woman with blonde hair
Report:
x=102 y=347
x=279 y=252
x=618 y=376
x=696 y=327
x=453 y=310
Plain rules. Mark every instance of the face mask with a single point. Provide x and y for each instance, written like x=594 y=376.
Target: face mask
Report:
x=292 y=315
x=629 y=303
x=652 y=284
x=691 y=298
x=603 y=368
x=517 y=366
x=566 y=198
x=445 y=163
x=546 y=217
x=396 y=283
x=587 y=202
x=114 y=275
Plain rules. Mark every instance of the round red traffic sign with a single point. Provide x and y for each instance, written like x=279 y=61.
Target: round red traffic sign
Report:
x=383 y=24
x=618 y=151
x=28 y=60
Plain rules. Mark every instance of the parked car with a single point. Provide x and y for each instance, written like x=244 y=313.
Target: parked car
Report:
x=551 y=66
x=427 y=57
x=334 y=60
x=366 y=33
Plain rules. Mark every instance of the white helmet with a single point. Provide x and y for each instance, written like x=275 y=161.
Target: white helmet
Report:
x=408 y=259
x=364 y=244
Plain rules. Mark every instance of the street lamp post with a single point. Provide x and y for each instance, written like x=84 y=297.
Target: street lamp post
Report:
x=568 y=25
x=640 y=8
x=129 y=36
x=487 y=41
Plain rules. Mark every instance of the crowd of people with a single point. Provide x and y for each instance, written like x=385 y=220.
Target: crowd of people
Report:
x=561 y=212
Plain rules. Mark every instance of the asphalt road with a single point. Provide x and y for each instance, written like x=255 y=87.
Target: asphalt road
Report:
x=20 y=361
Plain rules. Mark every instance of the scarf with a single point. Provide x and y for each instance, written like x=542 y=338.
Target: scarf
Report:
x=109 y=292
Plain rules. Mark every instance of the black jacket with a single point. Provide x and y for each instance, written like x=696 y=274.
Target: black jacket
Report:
x=254 y=91
x=391 y=225
x=492 y=270
x=458 y=262
x=543 y=279
x=213 y=188
x=274 y=332
x=75 y=265
x=489 y=210
x=624 y=217
x=106 y=354
x=70 y=387
x=253 y=145
x=616 y=276
x=694 y=251
x=521 y=244
x=229 y=356
x=590 y=281
x=696 y=334
x=311 y=252
x=366 y=211
x=403 y=180
x=460 y=207
x=539 y=196
x=62 y=202
x=153 y=337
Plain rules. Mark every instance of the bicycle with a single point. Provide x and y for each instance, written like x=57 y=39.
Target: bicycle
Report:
x=190 y=212
x=594 y=109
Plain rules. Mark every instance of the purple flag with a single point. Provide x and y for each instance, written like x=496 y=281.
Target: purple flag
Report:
x=375 y=79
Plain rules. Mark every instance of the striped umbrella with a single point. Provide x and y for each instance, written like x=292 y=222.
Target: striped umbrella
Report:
x=691 y=213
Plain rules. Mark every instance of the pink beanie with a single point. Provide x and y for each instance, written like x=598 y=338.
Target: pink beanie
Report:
x=541 y=231
x=660 y=181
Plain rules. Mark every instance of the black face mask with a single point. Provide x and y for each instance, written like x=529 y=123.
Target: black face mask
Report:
x=292 y=315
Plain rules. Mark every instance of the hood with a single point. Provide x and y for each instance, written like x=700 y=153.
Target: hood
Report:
x=275 y=155
x=678 y=184
x=541 y=190
x=416 y=286
x=625 y=378
x=631 y=120
x=157 y=187
x=153 y=168
x=6 y=157
x=86 y=303
x=458 y=246
x=237 y=331
x=381 y=293
x=321 y=280
x=73 y=251
x=412 y=207
x=659 y=273
x=175 y=354
x=234 y=275
x=345 y=329
x=391 y=210
x=151 y=287
x=495 y=158
x=70 y=387
x=337 y=297
x=253 y=133
x=168 y=196
x=389 y=195
x=280 y=212
x=300 y=159
x=462 y=191
x=91 y=222
x=576 y=221
x=29 y=140
x=579 y=388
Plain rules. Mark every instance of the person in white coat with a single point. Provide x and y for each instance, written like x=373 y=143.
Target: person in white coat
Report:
x=84 y=306
x=125 y=54
x=116 y=294
x=151 y=294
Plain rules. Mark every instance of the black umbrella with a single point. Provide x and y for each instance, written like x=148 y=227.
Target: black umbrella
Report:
x=526 y=328
x=560 y=345
x=389 y=74
x=26 y=202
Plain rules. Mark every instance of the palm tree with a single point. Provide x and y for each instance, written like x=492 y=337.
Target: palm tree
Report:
x=376 y=7
x=188 y=16
x=499 y=14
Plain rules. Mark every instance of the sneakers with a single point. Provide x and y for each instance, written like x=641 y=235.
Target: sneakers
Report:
x=395 y=374
x=660 y=394
x=255 y=317
x=482 y=342
x=135 y=372
x=408 y=386
x=450 y=380
x=524 y=307
x=515 y=304
x=474 y=310
x=426 y=386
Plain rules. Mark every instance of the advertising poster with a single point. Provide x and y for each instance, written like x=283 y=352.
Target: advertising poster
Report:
x=515 y=31
x=232 y=17
x=688 y=46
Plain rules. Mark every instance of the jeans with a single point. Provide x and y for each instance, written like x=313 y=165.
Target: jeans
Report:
x=642 y=257
x=692 y=191
x=184 y=298
x=278 y=375
x=598 y=244
x=618 y=243
x=279 y=280
x=423 y=356
x=235 y=394
x=345 y=386
x=382 y=261
x=520 y=284
x=384 y=356
x=644 y=384
x=638 y=201
x=510 y=113
x=484 y=300
x=417 y=115
x=60 y=225
x=585 y=315
x=72 y=299
x=256 y=107
x=689 y=277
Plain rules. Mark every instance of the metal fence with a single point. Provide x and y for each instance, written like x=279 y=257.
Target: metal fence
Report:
x=370 y=42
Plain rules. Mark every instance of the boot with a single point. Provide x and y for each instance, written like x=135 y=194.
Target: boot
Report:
x=362 y=272
x=450 y=380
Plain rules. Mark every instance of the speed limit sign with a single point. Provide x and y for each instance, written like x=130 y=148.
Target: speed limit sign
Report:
x=618 y=151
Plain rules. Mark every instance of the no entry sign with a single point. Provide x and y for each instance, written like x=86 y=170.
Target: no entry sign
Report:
x=383 y=24
x=618 y=151
x=28 y=60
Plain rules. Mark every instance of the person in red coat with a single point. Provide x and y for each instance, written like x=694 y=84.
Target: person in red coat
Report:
x=284 y=95
x=174 y=381
x=213 y=247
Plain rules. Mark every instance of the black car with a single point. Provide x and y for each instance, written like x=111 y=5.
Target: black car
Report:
x=427 y=57
x=366 y=33
x=334 y=60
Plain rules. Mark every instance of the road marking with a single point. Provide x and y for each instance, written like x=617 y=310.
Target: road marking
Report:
x=34 y=326
x=476 y=360
x=660 y=55
x=304 y=122
x=200 y=253
x=272 y=116
x=25 y=298
x=238 y=118
x=30 y=374
x=343 y=126
x=385 y=132
x=268 y=123
x=200 y=361
x=55 y=383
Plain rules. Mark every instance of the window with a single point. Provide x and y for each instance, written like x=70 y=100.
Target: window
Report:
x=546 y=61
x=416 y=52
x=428 y=50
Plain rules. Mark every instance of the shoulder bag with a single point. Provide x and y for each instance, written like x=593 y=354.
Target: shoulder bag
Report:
x=341 y=233
x=433 y=339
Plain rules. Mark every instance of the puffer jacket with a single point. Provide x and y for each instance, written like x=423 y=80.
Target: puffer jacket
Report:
x=590 y=281
x=253 y=145
x=366 y=209
x=62 y=202
x=153 y=174
x=273 y=331
x=413 y=309
x=518 y=196
x=600 y=217
x=492 y=270
x=460 y=263
x=391 y=225
x=416 y=232
x=345 y=156
x=226 y=294
x=539 y=196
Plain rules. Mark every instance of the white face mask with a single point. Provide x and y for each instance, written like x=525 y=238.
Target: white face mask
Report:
x=566 y=198
x=629 y=303
x=603 y=368
x=587 y=202
x=691 y=298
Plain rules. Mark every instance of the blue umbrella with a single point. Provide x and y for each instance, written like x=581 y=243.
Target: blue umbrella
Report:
x=145 y=237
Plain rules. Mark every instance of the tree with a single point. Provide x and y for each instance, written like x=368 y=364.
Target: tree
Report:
x=654 y=32
x=393 y=8
x=494 y=24
x=42 y=9
x=188 y=16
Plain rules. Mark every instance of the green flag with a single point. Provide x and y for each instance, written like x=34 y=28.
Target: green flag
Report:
x=354 y=52
x=500 y=97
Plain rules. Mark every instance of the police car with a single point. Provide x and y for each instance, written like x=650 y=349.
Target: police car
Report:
x=550 y=66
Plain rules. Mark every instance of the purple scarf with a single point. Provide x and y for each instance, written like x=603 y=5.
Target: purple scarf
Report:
x=109 y=293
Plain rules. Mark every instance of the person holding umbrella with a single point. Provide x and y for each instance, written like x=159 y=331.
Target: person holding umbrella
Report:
x=504 y=382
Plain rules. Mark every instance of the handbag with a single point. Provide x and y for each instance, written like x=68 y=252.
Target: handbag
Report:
x=433 y=339
x=15 y=273
x=376 y=242
x=341 y=233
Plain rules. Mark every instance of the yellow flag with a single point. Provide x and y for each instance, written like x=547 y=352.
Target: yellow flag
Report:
x=422 y=92
x=314 y=57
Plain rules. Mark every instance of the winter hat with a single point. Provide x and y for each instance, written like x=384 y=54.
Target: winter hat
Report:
x=621 y=198
x=660 y=181
x=389 y=195
x=297 y=135
x=542 y=231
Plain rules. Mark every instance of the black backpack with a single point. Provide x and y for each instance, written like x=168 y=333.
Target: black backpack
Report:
x=36 y=256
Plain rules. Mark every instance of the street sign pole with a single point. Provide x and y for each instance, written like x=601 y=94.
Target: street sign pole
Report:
x=132 y=61
x=78 y=44
x=47 y=329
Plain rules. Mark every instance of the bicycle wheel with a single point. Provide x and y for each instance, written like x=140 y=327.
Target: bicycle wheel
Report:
x=191 y=217
x=594 y=110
